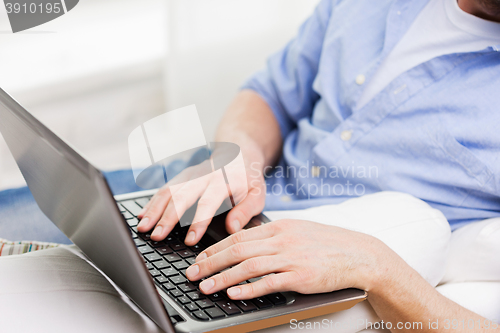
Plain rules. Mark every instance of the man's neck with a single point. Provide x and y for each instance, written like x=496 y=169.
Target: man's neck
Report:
x=479 y=9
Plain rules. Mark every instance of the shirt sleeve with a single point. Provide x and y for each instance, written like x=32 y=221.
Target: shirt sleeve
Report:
x=286 y=84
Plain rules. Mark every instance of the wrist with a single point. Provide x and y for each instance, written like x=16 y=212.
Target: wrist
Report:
x=382 y=270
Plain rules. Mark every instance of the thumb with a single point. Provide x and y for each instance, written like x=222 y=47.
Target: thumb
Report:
x=241 y=214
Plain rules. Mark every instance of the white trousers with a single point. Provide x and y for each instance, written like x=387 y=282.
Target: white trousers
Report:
x=55 y=290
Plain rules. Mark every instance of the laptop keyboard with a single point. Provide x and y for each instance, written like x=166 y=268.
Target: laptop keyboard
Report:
x=167 y=262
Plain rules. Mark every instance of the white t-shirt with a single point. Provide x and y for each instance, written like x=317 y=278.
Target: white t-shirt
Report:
x=442 y=27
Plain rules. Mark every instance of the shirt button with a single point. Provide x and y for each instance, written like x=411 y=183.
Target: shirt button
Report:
x=285 y=198
x=360 y=79
x=315 y=171
x=346 y=135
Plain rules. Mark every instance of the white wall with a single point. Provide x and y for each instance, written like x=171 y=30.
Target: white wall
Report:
x=216 y=45
x=97 y=72
x=91 y=76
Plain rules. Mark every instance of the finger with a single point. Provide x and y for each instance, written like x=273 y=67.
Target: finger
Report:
x=253 y=267
x=230 y=256
x=269 y=284
x=258 y=233
x=157 y=198
x=208 y=204
x=156 y=207
x=182 y=199
x=240 y=215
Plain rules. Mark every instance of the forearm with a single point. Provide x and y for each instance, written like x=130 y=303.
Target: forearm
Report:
x=250 y=123
x=402 y=296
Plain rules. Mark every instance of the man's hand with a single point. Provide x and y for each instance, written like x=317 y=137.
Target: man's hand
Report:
x=161 y=213
x=307 y=257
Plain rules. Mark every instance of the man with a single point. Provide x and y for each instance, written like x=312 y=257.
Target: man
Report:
x=407 y=89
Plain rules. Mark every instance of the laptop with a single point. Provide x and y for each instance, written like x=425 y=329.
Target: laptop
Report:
x=75 y=196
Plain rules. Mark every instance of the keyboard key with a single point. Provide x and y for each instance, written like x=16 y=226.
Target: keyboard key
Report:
x=186 y=287
x=176 y=293
x=153 y=256
x=183 y=300
x=167 y=286
x=228 y=307
x=165 y=249
x=156 y=243
x=154 y=273
x=139 y=242
x=172 y=257
x=191 y=260
x=262 y=302
x=191 y=307
x=276 y=299
x=178 y=279
x=216 y=297
x=246 y=306
x=215 y=313
x=142 y=201
x=205 y=303
x=149 y=265
x=127 y=215
x=180 y=265
x=183 y=272
x=170 y=239
x=146 y=236
x=131 y=206
x=186 y=253
x=197 y=248
x=145 y=249
x=161 y=279
x=254 y=279
x=179 y=233
x=195 y=295
x=161 y=264
x=200 y=315
x=169 y=272
x=177 y=246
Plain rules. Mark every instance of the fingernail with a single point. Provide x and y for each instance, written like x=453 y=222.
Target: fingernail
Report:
x=190 y=237
x=201 y=257
x=206 y=285
x=143 y=222
x=192 y=271
x=234 y=291
x=236 y=225
x=157 y=231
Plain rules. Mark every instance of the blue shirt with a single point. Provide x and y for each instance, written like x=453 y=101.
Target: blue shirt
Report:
x=433 y=132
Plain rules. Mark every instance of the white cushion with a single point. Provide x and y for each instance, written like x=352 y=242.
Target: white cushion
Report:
x=482 y=298
x=474 y=253
x=417 y=232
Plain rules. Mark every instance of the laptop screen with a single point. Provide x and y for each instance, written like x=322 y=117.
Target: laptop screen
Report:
x=76 y=198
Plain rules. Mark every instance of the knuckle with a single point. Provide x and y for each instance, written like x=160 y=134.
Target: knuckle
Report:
x=251 y=266
x=237 y=250
x=238 y=237
x=204 y=202
x=208 y=264
x=271 y=282
x=223 y=278
x=250 y=289
x=211 y=250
